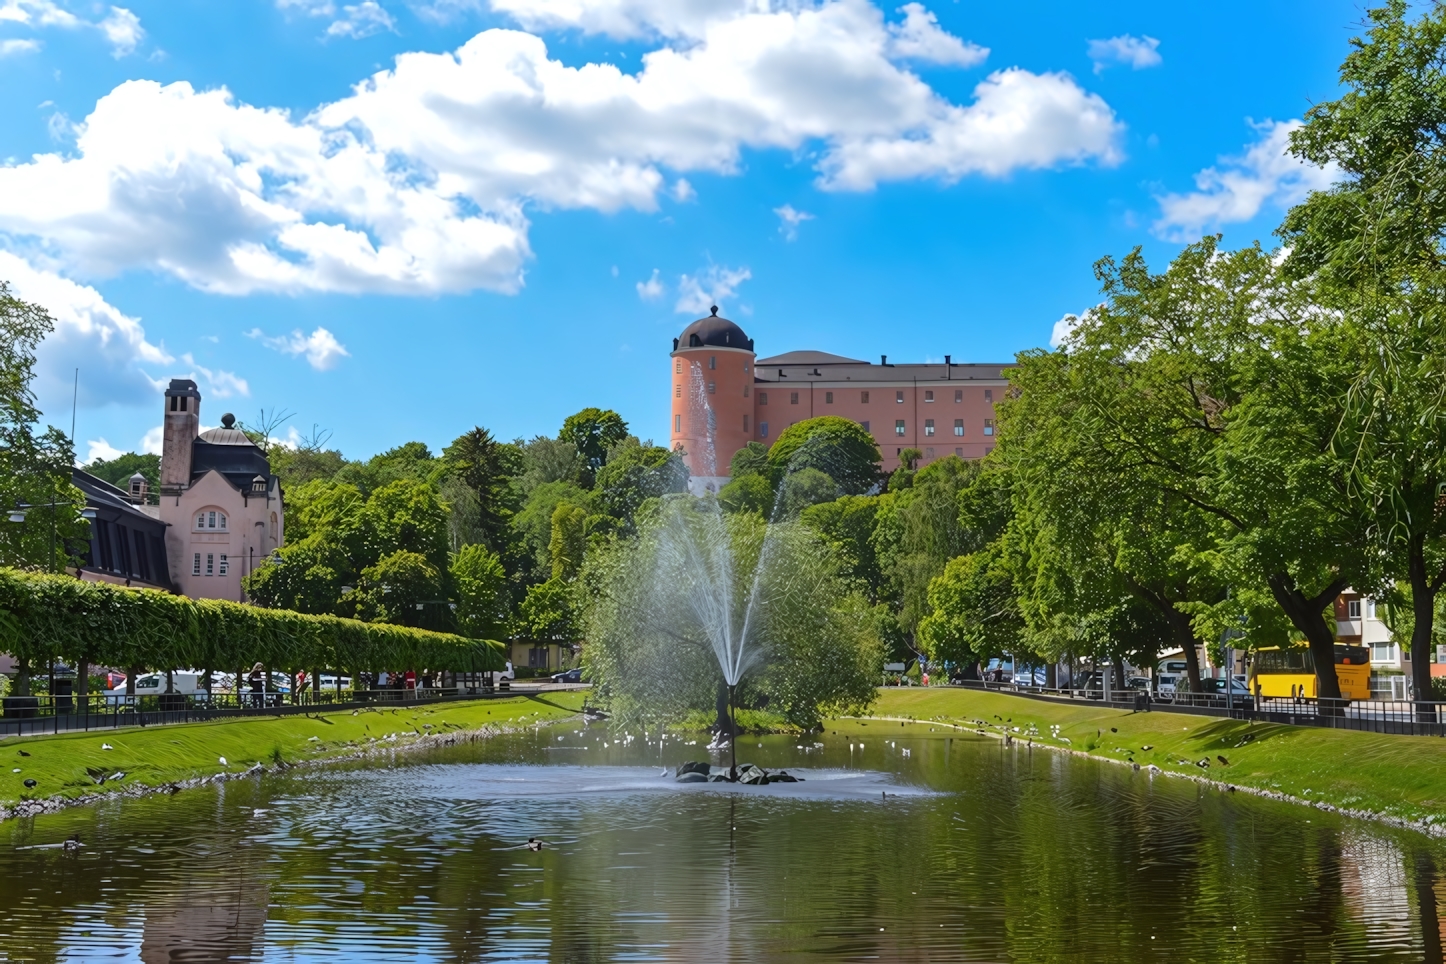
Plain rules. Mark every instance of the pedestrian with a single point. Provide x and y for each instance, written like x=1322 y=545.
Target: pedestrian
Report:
x=257 y=680
x=410 y=684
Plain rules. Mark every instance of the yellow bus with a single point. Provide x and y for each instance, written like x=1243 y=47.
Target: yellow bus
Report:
x=1291 y=672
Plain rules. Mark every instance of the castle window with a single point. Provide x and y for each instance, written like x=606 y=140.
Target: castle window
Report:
x=958 y=395
x=196 y=565
x=183 y=403
x=210 y=564
x=223 y=564
x=828 y=398
x=793 y=398
x=865 y=425
x=928 y=396
x=677 y=424
x=712 y=361
x=899 y=397
x=762 y=398
x=899 y=427
x=745 y=390
x=928 y=426
x=988 y=395
x=864 y=397
x=763 y=430
x=221 y=518
x=678 y=390
x=712 y=388
x=678 y=366
x=201 y=521
x=958 y=426
x=928 y=453
x=989 y=426
x=745 y=423
x=174 y=407
x=959 y=452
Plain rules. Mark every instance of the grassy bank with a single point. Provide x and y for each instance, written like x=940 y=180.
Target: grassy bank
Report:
x=1400 y=777
x=160 y=755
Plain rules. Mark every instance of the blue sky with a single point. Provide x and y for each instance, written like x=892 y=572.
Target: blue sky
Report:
x=401 y=218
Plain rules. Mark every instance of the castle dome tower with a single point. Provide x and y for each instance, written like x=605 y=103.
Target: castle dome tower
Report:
x=712 y=397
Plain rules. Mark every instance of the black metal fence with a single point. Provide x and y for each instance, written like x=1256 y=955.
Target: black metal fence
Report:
x=33 y=715
x=1404 y=717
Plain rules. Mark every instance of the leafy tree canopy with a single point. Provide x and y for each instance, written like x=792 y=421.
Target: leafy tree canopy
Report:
x=836 y=446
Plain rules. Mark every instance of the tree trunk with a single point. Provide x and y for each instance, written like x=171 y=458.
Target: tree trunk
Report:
x=1183 y=634
x=1307 y=615
x=1425 y=874
x=1051 y=675
x=1118 y=683
x=131 y=674
x=22 y=677
x=82 y=681
x=1423 y=606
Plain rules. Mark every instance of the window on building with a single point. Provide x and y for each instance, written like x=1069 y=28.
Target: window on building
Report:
x=745 y=423
x=763 y=430
x=1383 y=652
x=678 y=390
x=929 y=395
x=196 y=565
x=899 y=397
x=745 y=368
x=988 y=450
x=210 y=564
x=678 y=366
x=988 y=395
x=210 y=520
x=183 y=403
x=793 y=398
x=712 y=361
x=928 y=426
x=762 y=398
x=201 y=521
x=712 y=388
x=864 y=397
x=928 y=453
x=828 y=398
x=222 y=570
x=865 y=425
x=745 y=390
x=959 y=452
x=173 y=404
x=221 y=518
x=959 y=427
x=958 y=395
x=989 y=426
x=677 y=424
x=899 y=427
x=1353 y=609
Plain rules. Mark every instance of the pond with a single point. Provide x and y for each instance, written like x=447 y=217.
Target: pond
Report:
x=901 y=843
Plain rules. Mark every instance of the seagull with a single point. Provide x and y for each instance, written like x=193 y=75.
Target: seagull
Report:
x=222 y=761
x=534 y=844
x=106 y=746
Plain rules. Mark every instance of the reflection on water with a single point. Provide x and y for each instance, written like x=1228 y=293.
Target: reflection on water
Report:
x=959 y=850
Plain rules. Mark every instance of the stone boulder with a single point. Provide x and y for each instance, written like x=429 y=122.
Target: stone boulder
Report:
x=693 y=776
x=702 y=767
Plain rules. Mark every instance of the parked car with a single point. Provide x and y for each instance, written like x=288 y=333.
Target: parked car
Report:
x=573 y=675
x=1165 y=686
x=185 y=682
x=1138 y=683
x=1215 y=692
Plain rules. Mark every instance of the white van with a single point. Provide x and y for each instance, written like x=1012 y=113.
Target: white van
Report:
x=186 y=682
x=1175 y=667
x=1165 y=687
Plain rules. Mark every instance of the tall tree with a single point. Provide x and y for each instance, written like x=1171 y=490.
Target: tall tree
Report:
x=1375 y=242
x=486 y=467
x=837 y=446
x=593 y=432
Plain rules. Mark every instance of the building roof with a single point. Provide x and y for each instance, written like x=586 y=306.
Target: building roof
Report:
x=769 y=370
x=810 y=358
x=227 y=434
x=713 y=332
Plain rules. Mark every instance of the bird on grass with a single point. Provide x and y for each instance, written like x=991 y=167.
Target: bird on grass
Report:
x=23 y=753
x=222 y=761
x=534 y=844
x=29 y=784
x=1223 y=762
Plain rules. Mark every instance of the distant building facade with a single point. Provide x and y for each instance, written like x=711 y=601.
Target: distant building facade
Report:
x=724 y=396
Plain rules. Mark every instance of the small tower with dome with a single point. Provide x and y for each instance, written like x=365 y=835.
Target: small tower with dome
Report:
x=712 y=403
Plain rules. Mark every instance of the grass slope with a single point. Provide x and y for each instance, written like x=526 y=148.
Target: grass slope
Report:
x=166 y=754
x=1397 y=776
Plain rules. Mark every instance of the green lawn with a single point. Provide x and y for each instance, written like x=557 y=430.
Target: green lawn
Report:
x=1398 y=776
x=167 y=754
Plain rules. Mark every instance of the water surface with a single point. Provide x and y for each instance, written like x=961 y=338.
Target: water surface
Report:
x=901 y=844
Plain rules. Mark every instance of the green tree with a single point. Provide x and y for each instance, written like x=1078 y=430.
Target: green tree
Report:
x=847 y=525
x=486 y=468
x=909 y=458
x=751 y=459
x=836 y=446
x=973 y=610
x=118 y=471
x=397 y=587
x=804 y=488
x=747 y=493
x=633 y=474
x=546 y=459
x=593 y=432
x=569 y=541
x=533 y=524
x=479 y=586
x=549 y=614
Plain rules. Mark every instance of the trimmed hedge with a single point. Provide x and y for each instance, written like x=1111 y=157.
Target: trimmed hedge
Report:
x=44 y=617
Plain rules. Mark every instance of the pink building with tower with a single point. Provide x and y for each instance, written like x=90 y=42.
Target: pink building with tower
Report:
x=724 y=396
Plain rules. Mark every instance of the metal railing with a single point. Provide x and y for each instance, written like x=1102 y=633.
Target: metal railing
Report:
x=38 y=714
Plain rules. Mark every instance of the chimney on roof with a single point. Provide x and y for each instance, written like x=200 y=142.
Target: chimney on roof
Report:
x=948 y=359
x=883 y=359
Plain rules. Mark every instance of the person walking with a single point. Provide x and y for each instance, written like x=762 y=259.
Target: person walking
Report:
x=409 y=682
x=257 y=679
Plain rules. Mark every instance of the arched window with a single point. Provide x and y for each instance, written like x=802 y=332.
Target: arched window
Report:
x=211 y=519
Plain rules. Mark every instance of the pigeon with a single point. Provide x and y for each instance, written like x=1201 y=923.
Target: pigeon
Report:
x=1113 y=730
x=1203 y=764
x=222 y=761
x=23 y=753
x=1245 y=739
x=1223 y=762
x=534 y=844
x=106 y=746
x=1148 y=746
x=29 y=784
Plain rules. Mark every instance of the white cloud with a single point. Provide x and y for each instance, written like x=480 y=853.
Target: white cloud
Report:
x=623 y=19
x=1239 y=187
x=683 y=191
x=711 y=286
x=651 y=289
x=791 y=220
x=1062 y=330
x=109 y=347
x=219 y=382
x=361 y=20
x=9 y=48
x=1135 y=52
x=919 y=38
x=416 y=182
x=152 y=441
x=321 y=348
x=123 y=29
x=99 y=448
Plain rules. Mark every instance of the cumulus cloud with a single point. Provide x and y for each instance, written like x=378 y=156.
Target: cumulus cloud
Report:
x=652 y=289
x=417 y=181
x=683 y=191
x=99 y=448
x=121 y=27
x=217 y=383
x=791 y=219
x=361 y=20
x=109 y=347
x=152 y=442
x=322 y=350
x=1135 y=52
x=1239 y=187
x=715 y=284
x=919 y=37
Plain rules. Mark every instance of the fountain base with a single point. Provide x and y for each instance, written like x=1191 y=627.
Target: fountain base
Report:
x=748 y=773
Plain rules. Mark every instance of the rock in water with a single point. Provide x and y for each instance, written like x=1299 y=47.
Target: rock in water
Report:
x=692 y=776
x=782 y=776
x=748 y=773
x=693 y=767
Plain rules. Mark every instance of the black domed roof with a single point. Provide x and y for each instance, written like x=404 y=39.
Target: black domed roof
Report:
x=713 y=332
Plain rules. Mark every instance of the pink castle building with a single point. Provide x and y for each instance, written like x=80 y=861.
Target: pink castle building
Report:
x=724 y=396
